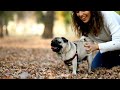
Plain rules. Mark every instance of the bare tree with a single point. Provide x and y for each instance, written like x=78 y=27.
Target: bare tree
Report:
x=49 y=23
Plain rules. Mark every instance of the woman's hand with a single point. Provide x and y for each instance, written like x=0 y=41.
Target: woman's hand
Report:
x=90 y=47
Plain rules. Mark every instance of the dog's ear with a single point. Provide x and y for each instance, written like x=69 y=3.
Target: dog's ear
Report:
x=64 y=39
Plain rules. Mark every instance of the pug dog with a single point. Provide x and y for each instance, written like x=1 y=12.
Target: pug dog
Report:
x=72 y=53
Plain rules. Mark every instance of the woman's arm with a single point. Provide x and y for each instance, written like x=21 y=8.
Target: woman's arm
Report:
x=112 y=21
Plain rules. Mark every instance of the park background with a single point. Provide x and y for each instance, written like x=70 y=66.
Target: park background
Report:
x=25 y=51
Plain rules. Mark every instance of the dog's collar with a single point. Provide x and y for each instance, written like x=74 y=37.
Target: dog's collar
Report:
x=68 y=62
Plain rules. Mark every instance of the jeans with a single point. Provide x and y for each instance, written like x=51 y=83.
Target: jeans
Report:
x=107 y=60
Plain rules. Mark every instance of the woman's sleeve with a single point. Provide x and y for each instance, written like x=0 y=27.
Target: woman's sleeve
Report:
x=114 y=27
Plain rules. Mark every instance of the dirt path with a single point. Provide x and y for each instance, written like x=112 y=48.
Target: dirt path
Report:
x=32 y=58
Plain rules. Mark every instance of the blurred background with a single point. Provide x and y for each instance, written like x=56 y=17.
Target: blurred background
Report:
x=46 y=24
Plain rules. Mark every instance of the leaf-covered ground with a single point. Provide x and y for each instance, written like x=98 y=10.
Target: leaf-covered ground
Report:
x=32 y=58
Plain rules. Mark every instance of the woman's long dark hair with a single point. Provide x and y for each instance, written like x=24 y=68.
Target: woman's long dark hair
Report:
x=93 y=26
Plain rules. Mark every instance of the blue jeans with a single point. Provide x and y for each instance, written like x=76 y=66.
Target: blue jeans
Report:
x=107 y=60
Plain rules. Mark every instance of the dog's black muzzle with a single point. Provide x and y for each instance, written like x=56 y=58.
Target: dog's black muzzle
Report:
x=55 y=46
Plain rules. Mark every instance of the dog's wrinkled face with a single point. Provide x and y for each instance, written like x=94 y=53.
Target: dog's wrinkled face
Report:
x=58 y=43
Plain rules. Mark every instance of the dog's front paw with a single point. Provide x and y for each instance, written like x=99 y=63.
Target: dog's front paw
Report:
x=74 y=73
x=90 y=72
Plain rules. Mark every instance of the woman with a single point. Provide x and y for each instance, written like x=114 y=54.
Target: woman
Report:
x=103 y=27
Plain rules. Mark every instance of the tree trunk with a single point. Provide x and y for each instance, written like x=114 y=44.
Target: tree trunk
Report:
x=1 y=28
x=1 y=31
x=4 y=24
x=7 y=33
x=49 y=23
